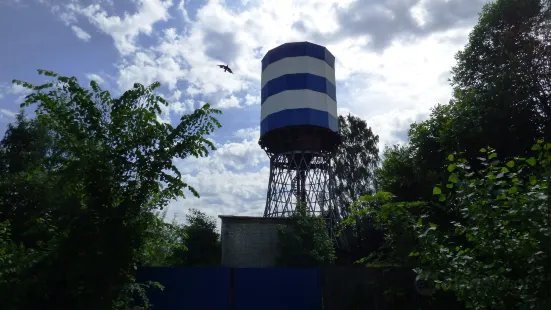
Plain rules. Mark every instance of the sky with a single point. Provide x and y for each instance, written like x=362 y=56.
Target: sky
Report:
x=393 y=61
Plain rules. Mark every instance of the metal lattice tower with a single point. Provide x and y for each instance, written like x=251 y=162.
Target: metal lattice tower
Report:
x=299 y=129
x=300 y=176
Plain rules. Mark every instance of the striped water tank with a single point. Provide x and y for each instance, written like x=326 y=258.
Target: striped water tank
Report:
x=298 y=87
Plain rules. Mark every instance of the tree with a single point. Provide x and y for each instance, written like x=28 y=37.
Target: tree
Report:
x=202 y=240
x=165 y=242
x=24 y=186
x=304 y=241
x=497 y=254
x=354 y=165
x=400 y=173
x=392 y=218
x=111 y=167
x=355 y=161
x=501 y=97
x=502 y=80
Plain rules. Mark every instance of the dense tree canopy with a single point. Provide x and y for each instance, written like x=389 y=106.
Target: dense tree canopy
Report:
x=305 y=241
x=76 y=214
x=85 y=183
x=202 y=240
x=501 y=97
x=474 y=221
x=354 y=166
x=355 y=161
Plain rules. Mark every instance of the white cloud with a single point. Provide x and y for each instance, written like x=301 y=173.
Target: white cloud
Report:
x=389 y=88
x=388 y=80
x=14 y=90
x=124 y=30
x=7 y=113
x=225 y=193
x=81 y=34
x=229 y=102
x=147 y=67
x=251 y=100
x=95 y=77
x=248 y=133
x=232 y=180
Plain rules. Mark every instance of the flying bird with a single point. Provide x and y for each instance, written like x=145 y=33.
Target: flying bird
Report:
x=226 y=68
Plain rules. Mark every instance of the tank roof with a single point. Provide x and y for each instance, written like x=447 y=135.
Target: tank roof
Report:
x=296 y=49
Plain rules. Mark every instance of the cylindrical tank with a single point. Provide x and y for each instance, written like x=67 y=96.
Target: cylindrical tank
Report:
x=298 y=99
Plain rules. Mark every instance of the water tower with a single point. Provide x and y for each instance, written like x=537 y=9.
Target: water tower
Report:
x=299 y=128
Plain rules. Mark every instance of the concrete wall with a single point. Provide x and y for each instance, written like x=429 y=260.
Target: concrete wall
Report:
x=249 y=242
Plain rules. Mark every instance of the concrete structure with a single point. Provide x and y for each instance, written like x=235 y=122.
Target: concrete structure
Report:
x=249 y=242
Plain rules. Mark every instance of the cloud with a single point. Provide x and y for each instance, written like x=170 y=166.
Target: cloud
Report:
x=232 y=180
x=95 y=77
x=229 y=102
x=393 y=58
x=243 y=155
x=13 y=90
x=149 y=66
x=81 y=34
x=382 y=22
x=248 y=133
x=7 y=113
x=221 y=46
x=125 y=30
x=225 y=193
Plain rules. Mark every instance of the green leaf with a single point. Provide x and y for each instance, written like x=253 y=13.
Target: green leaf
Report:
x=533 y=180
x=482 y=150
x=450 y=157
x=449 y=185
x=531 y=161
x=442 y=197
x=510 y=164
x=436 y=190
x=536 y=147
x=453 y=178
x=451 y=167
x=493 y=155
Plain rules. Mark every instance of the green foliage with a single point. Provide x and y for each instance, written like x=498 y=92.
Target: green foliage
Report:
x=202 y=241
x=395 y=220
x=502 y=77
x=80 y=210
x=402 y=173
x=355 y=161
x=484 y=232
x=497 y=254
x=501 y=98
x=354 y=166
x=164 y=242
x=304 y=241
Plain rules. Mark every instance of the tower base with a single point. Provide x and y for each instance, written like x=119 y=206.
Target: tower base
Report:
x=302 y=177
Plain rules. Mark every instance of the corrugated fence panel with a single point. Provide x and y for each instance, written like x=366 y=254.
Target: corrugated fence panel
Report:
x=277 y=289
x=348 y=288
x=188 y=288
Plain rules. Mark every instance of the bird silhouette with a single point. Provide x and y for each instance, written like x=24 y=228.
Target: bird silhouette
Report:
x=226 y=68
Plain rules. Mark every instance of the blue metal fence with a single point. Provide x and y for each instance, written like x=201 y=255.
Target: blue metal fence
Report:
x=188 y=288
x=237 y=289
x=269 y=289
